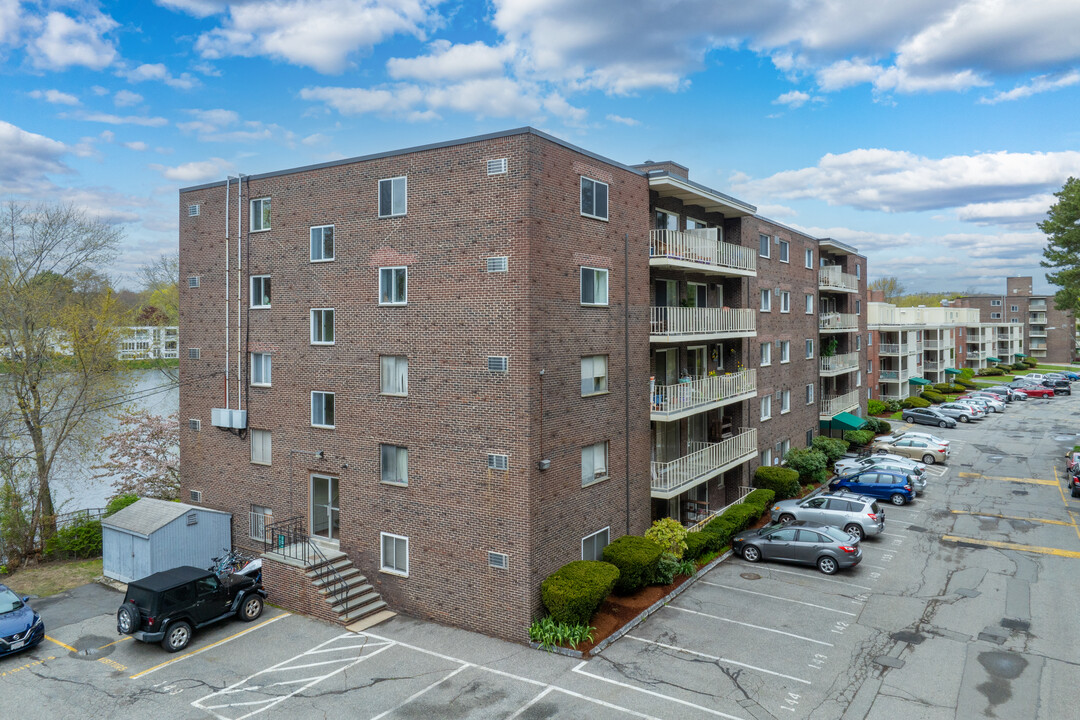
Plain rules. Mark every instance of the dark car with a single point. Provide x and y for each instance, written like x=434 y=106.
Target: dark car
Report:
x=803 y=542
x=20 y=627
x=1060 y=387
x=1074 y=484
x=1009 y=393
x=928 y=416
x=897 y=488
x=167 y=606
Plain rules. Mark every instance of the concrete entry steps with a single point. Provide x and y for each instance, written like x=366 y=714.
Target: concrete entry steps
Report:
x=344 y=587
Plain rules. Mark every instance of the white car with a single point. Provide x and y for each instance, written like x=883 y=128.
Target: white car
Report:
x=849 y=466
x=1033 y=377
x=914 y=433
x=992 y=405
x=961 y=411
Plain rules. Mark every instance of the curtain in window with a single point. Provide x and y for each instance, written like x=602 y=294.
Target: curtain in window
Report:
x=593 y=374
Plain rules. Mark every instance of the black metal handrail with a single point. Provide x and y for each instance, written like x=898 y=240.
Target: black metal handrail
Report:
x=288 y=538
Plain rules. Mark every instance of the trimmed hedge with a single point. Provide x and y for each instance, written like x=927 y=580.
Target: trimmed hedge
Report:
x=760 y=499
x=697 y=544
x=809 y=463
x=883 y=427
x=1020 y=366
x=876 y=407
x=915 y=402
x=934 y=397
x=636 y=558
x=784 y=482
x=988 y=371
x=833 y=448
x=573 y=593
x=948 y=388
x=859 y=437
x=966 y=384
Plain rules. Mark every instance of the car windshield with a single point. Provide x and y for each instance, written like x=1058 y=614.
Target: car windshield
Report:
x=9 y=601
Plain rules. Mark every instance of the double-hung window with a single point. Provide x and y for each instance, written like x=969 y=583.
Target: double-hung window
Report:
x=809 y=349
x=764 y=245
x=394 y=462
x=260 y=291
x=594 y=463
x=809 y=258
x=260 y=447
x=858 y=307
x=393 y=285
x=594 y=198
x=393 y=197
x=322 y=326
x=322 y=243
x=785 y=351
x=395 y=374
x=810 y=394
x=766 y=300
x=785 y=301
x=594 y=286
x=858 y=378
x=784 y=248
x=594 y=374
x=258 y=518
x=394 y=556
x=260 y=214
x=766 y=457
x=785 y=405
x=809 y=304
x=260 y=369
x=766 y=407
x=592 y=546
x=322 y=409
x=766 y=354
x=858 y=342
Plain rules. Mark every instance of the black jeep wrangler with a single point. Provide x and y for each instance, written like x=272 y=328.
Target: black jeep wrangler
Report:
x=166 y=606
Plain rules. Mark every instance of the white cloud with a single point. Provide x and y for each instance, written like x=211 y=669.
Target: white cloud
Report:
x=196 y=172
x=315 y=139
x=793 y=99
x=158 y=72
x=65 y=41
x=126 y=98
x=1040 y=84
x=29 y=159
x=137 y=145
x=54 y=96
x=1023 y=212
x=448 y=61
x=219 y=125
x=631 y=122
x=110 y=119
x=396 y=100
x=10 y=21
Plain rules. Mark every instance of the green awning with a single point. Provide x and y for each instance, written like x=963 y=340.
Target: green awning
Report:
x=994 y=359
x=847 y=421
x=952 y=371
x=919 y=381
x=1019 y=355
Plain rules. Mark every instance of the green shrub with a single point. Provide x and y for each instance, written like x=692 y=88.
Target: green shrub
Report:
x=1030 y=362
x=877 y=426
x=809 y=463
x=914 y=402
x=941 y=387
x=81 y=539
x=636 y=558
x=549 y=633
x=859 y=437
x=934 y=397
x=573 y=593
x=833 y=448
x=781 y=480
x=966 y=384
x=1020 y=366
x=669 y=534
x=989 y=371
x=966 y=373
x=894 y=405
x=883 y=427
x=118 y=503
x=735 y=519
x=697 y=544
x=686 y=567
x=876 y=407
x=666 y=568
x=1005 y=368
x=760 y=499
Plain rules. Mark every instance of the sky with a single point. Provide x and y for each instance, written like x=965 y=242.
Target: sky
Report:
x=930 y=134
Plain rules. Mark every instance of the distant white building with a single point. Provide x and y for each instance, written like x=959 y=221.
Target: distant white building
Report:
x=149 y=342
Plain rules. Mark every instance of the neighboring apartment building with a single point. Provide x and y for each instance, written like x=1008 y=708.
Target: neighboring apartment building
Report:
x=1050 y=334
x=461 y=339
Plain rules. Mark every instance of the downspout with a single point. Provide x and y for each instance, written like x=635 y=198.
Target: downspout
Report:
x=626 y=363
x=228 y=306
x=239 y=282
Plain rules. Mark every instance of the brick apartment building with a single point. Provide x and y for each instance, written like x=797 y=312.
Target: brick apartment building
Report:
x=1050 y=334
x=461 y=338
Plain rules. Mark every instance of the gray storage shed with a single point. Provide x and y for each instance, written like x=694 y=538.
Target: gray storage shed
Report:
x=150 y=535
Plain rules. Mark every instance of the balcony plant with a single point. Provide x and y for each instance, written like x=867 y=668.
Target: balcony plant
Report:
x=829 y=350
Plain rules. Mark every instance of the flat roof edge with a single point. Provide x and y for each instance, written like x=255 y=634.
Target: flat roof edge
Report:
x=750 y=209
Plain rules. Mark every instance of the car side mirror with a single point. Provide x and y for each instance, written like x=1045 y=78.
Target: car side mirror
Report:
x=26 y=599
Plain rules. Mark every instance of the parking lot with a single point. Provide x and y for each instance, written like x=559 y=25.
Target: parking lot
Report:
x=960 y=609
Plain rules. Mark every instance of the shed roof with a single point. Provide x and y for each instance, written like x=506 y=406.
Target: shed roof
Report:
x=148 y=514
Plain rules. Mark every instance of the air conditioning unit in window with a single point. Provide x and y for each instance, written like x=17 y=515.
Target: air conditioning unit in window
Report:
x=498 y=462
x=195 y=495
x=193 y=210
x=195 y=424
x=193 y=353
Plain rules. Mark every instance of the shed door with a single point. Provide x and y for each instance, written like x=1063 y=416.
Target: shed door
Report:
x=140 y=554
x=118 y=560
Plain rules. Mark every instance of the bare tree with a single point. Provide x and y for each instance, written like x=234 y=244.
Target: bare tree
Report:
x=890 y=286
x=58 y=329
x=161 y=287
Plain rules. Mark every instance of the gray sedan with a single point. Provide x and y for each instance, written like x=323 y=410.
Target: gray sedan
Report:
x=803 y=542
x=928 y=416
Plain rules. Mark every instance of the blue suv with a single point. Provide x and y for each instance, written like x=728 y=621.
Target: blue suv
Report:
x=895 y=487
x=20 y=627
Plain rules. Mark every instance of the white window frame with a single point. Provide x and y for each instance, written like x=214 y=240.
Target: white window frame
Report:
x=809 y=349
x=394 y=186
x=598 y=555
x=810 y=393
x=766 y=301
x=766 y=456
x=595 y=274
x=591 y=383
x=870 y=339
x=764 y=241
x=785 y=251
x=809 y=304
x=253 y=213
x=766 y=407
x=393 y=569
x=668 y=216
x=607 y=199
x=320 y=325
x=785 y=301
x=333 y=402
x=858 y=307
x=785 y=351
x=588 y=452
x=1014 y=308
x=261 y=452
x=263 y=362
x=398 y=452
x=392 y=381
x=995 y=303
x=995 y=316
x=858 y=378
x=266 y=514
x=766 y=354
x=393 y=269
x=263 y=279
x=869 y=367
x=869 y=393
x=322 y=243
x=810 y=258
x=858 y=270
x=785 y=404
x=858 y=342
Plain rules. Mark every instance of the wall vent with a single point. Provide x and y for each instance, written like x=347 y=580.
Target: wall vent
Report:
x=192 y=518
x=195 y=495
x=194 y=424
x=498 y=560
x=496 y=167
x=498 y=462
x=193 y=353
x=498 y=264
x=498 y=363
x=193 y=210
x=193 y=281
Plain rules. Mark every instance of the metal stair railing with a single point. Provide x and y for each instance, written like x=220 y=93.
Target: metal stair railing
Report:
x=289 y=539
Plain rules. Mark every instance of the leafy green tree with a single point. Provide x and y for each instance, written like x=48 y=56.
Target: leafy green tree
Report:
x=890 y=286
x=1062 y=230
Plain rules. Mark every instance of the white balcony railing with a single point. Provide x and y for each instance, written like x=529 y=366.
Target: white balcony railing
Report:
x=840 y=363
x=895 y=349
x=933 y=345
x=832 y=405
x=919 y=346
x=704 y=461
x=744 y=490
x=685 y=398
x=676 y=322
x=832 y=278
x=932 y=366
x=895 y=375
x=1037 y=318
x=838 y=321
x=702 y=249
x=975 y=355
x=902 y=395
x=1037 y=332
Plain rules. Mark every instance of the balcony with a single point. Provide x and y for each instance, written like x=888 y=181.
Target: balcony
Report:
x=705 y=461
x=895 y=349
x=1037 y=332
x=975 y=355
x=838 y=322
x=901 y=395
x=673 y=402
x=702 y=251
x=1037 y=306
x=833 y=405
x=934 y=345
x=1037 y=318
x=931 y=366
x=678 y=324
x=894 y=375
x=838 y=364
x=919 y=346
x=831 y=279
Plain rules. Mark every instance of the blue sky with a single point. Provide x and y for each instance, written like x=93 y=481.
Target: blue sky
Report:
x=928 y=133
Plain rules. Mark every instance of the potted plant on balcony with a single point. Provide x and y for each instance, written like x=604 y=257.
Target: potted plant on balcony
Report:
x=830 y=348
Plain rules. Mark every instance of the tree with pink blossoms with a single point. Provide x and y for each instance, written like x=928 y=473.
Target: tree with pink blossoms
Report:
x=143 y=455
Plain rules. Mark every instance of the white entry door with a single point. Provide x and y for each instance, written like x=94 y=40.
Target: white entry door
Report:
x=325 y=511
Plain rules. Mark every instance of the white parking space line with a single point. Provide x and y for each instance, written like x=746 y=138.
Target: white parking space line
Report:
x=893 y=535
x=418 y=694
x=526 y=706
x=210 y=647
x=628 y=686
x=750 y=625
x=777 y=597
x=822 y=579
x=716 y=658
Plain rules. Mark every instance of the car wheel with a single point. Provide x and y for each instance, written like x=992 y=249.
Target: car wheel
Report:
x=127 y=619
x=928 y=459
x=251 y=608
x=909 y=419
x=963 y=418
x=827 y=565
x=750 y=553
x=898 y=499
x=943 y=424
x=177 y=636
x=855 y=530
x=1075 y=492
x=786 y=518
x=882 y=452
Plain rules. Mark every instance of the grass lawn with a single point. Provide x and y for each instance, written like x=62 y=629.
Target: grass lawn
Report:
x=51 y=578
